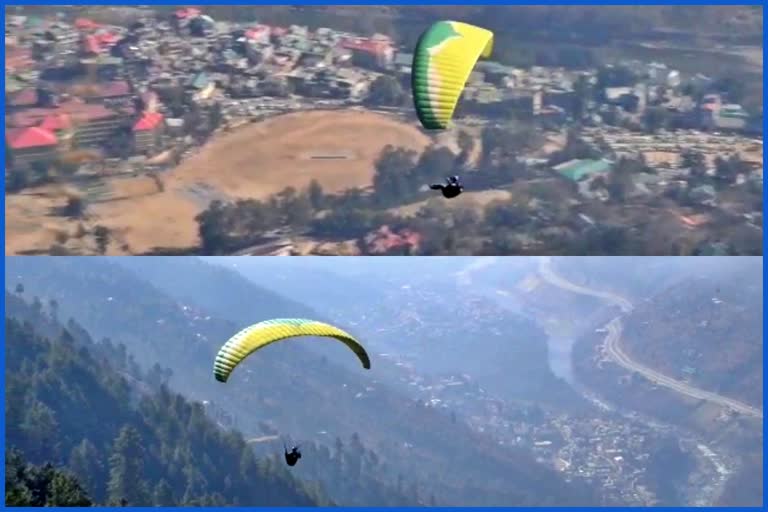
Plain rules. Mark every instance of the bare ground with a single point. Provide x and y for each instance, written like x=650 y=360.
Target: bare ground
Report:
x=255 y=161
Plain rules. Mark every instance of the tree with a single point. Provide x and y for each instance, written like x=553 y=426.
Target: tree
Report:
x=295 y=208
x=615 y=76
x=583 y=93
x=215 y=116
x=728 y=170
x=162 y=495
x=434 y=163
x=505 y=215
x=53 y=306
x=655 y=118
x=695 y=162
x=41 y=171
x=65 y=491
x=20 y=289
x=45 y=486
x=386 y=91
x=393 y=167
x=466 y=144
x=41 y=428
x=75 y=207
x=17 y=180
x=575 y=148
x=210 y=227
x=102 y=236
x=499 y=146
x=85 y=463
x=126 y=470
x=316 y=195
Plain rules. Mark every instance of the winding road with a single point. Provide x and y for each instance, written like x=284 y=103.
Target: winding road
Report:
x=613 y=347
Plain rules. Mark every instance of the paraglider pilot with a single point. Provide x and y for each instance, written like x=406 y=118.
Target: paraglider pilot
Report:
x=451 y=189
x=292 y=457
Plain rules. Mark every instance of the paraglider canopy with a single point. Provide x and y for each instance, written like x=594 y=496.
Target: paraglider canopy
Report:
x=259 y=335
x=442 y=62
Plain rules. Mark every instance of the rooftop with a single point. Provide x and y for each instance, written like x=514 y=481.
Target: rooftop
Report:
x=149 y=121
x=24 y=138
x=577 y=170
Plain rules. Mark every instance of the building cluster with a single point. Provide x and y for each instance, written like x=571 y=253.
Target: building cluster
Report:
x=60 y=73
x=83 y=90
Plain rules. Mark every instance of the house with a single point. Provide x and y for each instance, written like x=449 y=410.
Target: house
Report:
x=60 y=124
x=108 y=91
x=201 y=86
x=26 y=98
x=31 y=145
x=403 y=63
x=92 y=124
x=147 y=131
x=370 y=53
x=86 y=24
x=260 y=34
x=731 y=117
x=560 y=97
x=384 y=240
x=579 y=170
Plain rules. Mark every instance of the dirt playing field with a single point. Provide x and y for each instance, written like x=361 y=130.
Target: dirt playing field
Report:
x=337 y=148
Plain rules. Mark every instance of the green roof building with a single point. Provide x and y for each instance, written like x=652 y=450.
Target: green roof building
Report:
x=578 y=170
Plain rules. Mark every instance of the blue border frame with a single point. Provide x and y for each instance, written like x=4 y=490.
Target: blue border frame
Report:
x=401 y=2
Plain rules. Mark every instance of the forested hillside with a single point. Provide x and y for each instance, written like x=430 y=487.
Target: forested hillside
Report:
x=292 y=392
x=707 y=329
x=27 y=485
x=127 y=437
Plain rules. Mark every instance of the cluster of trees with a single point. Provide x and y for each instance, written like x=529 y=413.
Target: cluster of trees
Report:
x=400 y=178
x=27 y=485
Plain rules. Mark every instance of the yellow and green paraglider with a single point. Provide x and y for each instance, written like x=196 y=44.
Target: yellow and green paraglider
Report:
x=259 y=335
x=444 y=58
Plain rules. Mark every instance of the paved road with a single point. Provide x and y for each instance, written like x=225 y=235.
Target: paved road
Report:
x=613 y=347
x=546 y=272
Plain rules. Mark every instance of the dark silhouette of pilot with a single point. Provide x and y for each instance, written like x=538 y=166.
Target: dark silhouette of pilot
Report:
x=451 y=188
x=292 y=457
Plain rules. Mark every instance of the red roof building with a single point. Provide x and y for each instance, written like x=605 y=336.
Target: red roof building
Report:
x=278 y=31
x=369 y=52
x=147 y=132
x=187 y=13
x=27 y=138
x=114 y=89
x=56 y=122
x=148 y=122
x=91 y=123
x=90 y=45
x=259 y=34
x=385 y=240
x=106 y=39
x=86 y=24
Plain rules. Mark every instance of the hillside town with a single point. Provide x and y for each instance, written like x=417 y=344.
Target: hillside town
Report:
x=86 y=100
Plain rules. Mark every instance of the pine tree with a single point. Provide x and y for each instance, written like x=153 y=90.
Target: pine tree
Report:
x=65 y=491
x=85 y=463
x=126 y=470
x=163 y=495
